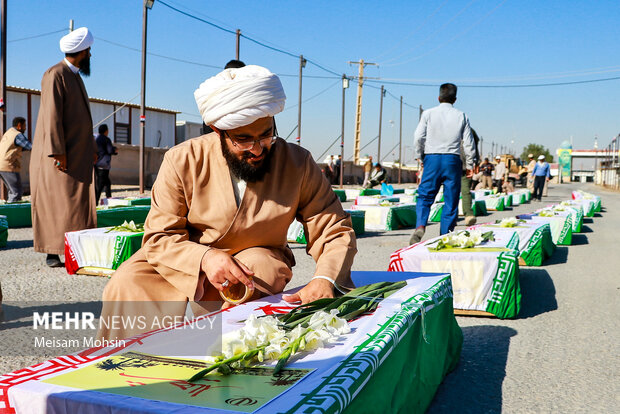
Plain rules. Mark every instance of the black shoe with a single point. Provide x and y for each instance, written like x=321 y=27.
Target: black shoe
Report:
x=417 y=235
x=53 y=260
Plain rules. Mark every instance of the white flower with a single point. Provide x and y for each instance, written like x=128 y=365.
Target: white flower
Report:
x=273 y=351
x=233 y=345
x=315 y=340
x=508 y=222
x=260 y=331
x=330 y=321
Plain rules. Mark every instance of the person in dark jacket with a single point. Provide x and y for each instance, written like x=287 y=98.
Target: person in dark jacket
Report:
x=105 y=150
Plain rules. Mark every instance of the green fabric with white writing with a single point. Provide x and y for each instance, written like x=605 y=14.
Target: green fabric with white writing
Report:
x=413 y=351
x=358 y=218
x=505 y=298
x=4 y=231
x=17 y=214
x=401 y=216
x=125 y=246
x=370 y=191
x=116 y=216
x=342 y=196
x=539 y=247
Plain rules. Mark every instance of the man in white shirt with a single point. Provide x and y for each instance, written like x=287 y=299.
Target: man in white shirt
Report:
x=438 y=138
x=499 y=173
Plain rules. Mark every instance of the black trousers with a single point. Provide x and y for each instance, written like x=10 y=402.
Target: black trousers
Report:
x=539 y=185
x=102 y=183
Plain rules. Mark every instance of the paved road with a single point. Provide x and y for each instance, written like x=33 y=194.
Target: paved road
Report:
x=560 y=355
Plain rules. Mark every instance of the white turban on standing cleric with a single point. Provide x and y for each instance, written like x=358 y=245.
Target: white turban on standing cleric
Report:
x=76 y=41
x=237 y=97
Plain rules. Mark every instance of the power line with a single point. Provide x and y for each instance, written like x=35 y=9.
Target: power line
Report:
x=432 y=35
x=159 y=55
x=500 y=86
x=397 y=44
x=36 y=36
x=217 y=26
x=258 y=42
x=314 y=96
x=453 y=38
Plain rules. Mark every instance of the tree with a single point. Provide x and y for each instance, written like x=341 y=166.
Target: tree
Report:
x=536 y=150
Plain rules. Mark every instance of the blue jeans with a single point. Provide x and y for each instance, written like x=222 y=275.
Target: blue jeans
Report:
x=440 y=169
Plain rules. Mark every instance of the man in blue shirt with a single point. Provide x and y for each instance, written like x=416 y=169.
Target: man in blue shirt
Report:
x=541 y=174
x=441 y=133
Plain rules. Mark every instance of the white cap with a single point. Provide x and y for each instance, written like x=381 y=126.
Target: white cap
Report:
x=541 y=157
x=497 y=157
x=76 y=41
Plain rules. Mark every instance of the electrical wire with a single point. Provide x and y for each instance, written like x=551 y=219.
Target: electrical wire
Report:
x=453 y=38
x=535 y=85
x=314 y=96
x=258 y=42
x=36 y=36
x=217 y=26
x=431 y=36
x=397 y=44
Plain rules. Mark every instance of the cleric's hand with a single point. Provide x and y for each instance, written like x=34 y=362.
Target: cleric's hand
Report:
x=220 y=267
x=316 y=289
x=60 y=162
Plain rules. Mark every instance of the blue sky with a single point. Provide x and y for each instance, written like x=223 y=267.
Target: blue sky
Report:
x=468 y=42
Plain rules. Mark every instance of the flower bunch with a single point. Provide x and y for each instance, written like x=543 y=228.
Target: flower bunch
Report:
x=558 y=208
x=305 y=328
x=509 y=222
x=462 y=240
x=129 y=227
x=546 y=213
x=263 y=339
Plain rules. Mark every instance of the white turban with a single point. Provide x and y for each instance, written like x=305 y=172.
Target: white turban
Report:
x=237 y=97
x=76 y=41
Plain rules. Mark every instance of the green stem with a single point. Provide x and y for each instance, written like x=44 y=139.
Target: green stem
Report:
x=246 y=355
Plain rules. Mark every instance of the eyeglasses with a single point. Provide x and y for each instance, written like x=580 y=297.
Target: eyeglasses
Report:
x=249 y=145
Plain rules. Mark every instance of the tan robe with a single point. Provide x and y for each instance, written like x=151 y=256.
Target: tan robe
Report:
x=530 y=178
x=62 y=201
x=194 y=206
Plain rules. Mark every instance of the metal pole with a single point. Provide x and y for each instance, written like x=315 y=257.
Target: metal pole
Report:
x=71 y=25
x=380 y=119
x=143 y=96
x=302 y=63
x=237 y=48
x=344 y=80
x=3 y=194
x=400 y=140
x=420 y=114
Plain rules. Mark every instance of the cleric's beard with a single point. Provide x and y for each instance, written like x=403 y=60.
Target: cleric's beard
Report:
x=243 y=169
x=84 y=66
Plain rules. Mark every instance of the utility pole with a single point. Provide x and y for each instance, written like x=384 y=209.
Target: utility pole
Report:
x=481 y=149
x=420 y=114
x=358 y=109
x=3 y=11
x=345 y=85
x=237 y=48
x=147 y=4
x=302 y=64
x=71 y=25
x=380 y=119
x=400 y=140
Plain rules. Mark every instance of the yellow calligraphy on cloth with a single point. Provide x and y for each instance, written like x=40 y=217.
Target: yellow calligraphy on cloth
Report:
x=165 y=379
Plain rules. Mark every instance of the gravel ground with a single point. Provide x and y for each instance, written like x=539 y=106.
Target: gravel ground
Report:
x=560 y=355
